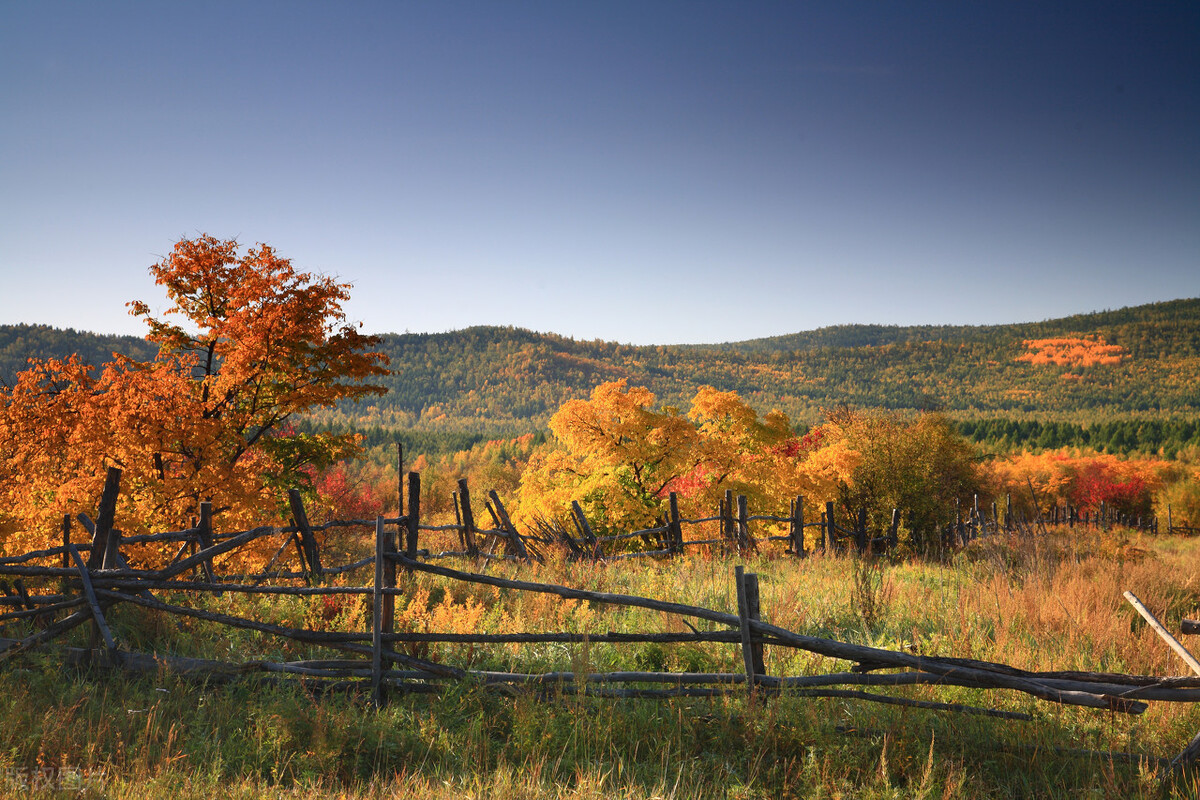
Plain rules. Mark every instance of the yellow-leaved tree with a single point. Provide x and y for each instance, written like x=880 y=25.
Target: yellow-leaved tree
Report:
x=252 y=343
x=620 y=457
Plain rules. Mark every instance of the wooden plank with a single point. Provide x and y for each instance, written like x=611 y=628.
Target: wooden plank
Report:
x=104 y=518
x=93 y=602
x=1174 y=644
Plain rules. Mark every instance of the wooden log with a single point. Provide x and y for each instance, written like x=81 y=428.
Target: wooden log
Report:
x=104 y=518
x=1158 y=628
x=414 y=514
x=311 y=551
x=893 y=534
x=468 y=518
x=93 y=603
x=1189 y=626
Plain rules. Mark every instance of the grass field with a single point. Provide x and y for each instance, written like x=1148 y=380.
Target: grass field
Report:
x=1048 y=603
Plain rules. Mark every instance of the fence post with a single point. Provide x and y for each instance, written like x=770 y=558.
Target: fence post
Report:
x=860 y=530
x=204 y=533
x=414 y=513
x=830 y=529
x=676 y=528
x=399 y=478
x=506 y=522
x=66 y=558
x=1008 y=520
x=894 y=529
x=377 y=616
x=585 y=529
x=743 y=525
x=748 y=609
x=1168 y=519
x=104 y=518
x=727 y=532
x=468 y=517
x=798 y=526
x=311 y=553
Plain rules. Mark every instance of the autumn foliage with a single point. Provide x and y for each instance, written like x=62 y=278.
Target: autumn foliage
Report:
x=1072 y=351
x=247 y=343
x=619 y=457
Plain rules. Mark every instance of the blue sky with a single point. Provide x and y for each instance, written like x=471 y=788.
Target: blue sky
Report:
x=646 y=172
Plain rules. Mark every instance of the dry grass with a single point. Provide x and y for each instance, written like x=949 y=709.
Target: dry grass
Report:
x=1047 y=603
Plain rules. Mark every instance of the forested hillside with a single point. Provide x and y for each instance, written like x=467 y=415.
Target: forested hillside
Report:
x=19 y=343
x=1136 y=362
x=1136 y=370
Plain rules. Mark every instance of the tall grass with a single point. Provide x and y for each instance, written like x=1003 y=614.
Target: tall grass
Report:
x=1046 y=603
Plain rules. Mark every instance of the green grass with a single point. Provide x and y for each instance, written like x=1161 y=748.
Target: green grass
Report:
x=1052 y=604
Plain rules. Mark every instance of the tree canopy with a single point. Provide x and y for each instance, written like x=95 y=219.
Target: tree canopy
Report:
x=247 y=344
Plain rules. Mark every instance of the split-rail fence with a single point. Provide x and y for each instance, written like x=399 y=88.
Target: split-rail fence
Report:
x=93 y=578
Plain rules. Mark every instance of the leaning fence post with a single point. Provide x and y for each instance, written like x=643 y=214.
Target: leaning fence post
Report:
x=311 y=553
x=104 y=518
x=101 y=625
x=414 y=513
x=468 y=517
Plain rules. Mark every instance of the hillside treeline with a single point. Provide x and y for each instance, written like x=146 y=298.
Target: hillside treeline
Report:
x=1120 y=381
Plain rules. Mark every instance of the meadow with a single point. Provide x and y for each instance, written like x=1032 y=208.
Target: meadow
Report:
x=1047 y=602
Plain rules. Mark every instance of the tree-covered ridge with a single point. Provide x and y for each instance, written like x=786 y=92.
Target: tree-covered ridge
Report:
x=514 y=379
x=19 y=343
x=504 y=380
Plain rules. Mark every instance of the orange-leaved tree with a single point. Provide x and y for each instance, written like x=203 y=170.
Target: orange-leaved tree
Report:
x=255 y=343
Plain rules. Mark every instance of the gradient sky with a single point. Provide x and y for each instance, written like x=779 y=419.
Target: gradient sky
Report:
x=646 y=172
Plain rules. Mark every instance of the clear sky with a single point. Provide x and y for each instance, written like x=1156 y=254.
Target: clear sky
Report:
x=646 y=172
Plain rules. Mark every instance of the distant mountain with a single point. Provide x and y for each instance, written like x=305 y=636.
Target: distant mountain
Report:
x=503 y=379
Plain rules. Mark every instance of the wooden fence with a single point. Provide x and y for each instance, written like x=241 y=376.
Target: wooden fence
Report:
x=372 y=662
